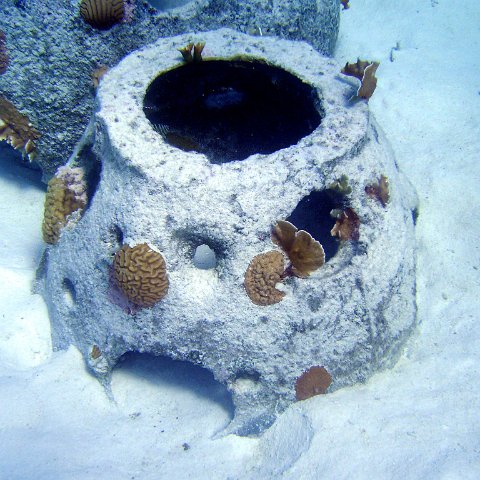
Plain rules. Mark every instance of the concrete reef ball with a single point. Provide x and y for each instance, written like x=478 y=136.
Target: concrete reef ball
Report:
x=338 y=322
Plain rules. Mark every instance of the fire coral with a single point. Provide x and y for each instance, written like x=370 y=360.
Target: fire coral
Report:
x=304 y=252
x=365 y=72
x=16 y=129
x=347 y=226
x=380 y=191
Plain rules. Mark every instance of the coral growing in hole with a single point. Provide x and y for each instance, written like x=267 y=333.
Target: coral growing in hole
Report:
x=347 y=226
x=315 y=381
x=262 y=275
x=102 y=14
x=66 y=194
x=365 y=72
x=379 y=191
x=141 y=274
x=304 y=252
x=16 y=129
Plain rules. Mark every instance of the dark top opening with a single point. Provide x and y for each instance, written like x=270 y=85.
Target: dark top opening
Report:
x=229 y=110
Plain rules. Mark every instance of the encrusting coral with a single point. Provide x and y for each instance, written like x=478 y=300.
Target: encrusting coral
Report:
x=315 y=381
x=3 y=53
x=102 y=14
x=66 y=194
x=261 y=277
x=347 y=226
x=16 y=129
x=95 y=352
x=141 y=274
x=379 y=191
x=304 y=252
x=365 y=72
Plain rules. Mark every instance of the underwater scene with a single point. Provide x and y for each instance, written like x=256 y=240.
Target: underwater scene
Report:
x=232 y=245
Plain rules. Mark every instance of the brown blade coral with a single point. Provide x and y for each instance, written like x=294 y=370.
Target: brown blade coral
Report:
x=304 y=252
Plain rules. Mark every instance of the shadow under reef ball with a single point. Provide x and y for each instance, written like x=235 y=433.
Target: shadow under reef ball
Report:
x=231 y=109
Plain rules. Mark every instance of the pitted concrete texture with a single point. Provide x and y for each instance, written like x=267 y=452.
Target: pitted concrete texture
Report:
x=53 y=52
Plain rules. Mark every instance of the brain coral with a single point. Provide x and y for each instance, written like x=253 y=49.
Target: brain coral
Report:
x=102 y=14
x=66 y=194
x=141 y=274
x=263 y=273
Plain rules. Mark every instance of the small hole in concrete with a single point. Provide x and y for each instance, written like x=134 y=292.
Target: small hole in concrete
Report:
x=313 y=215
x=204 y=257
x=230 y=110
x=69 y=293
x=117 y=235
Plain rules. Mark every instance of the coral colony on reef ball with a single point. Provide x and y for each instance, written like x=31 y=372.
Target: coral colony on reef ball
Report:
x=365 y=72
x=243 y=146
x=17 y=130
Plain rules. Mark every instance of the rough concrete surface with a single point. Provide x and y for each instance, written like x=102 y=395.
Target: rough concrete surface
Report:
x=53 y=52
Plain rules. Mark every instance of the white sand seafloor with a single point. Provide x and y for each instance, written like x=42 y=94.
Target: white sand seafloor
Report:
x=419 y=420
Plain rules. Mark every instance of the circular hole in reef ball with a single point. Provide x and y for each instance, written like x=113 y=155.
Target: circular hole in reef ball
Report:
x=229 y=110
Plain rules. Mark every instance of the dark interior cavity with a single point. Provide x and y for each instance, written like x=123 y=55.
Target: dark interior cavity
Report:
x=182 y=375
x=232 y=109
x=313 y=215
x=92 y=166
x=69 y=292
x=115 y=236
x=190 y=239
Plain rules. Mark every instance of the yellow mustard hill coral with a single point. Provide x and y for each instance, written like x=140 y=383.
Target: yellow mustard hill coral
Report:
x=66 y=194
x=141 y=274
